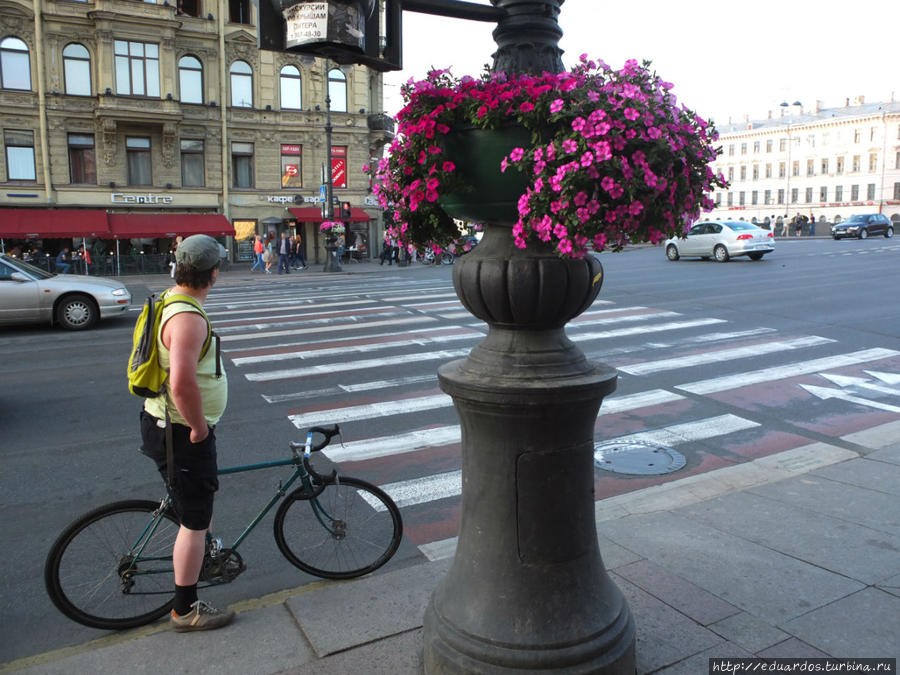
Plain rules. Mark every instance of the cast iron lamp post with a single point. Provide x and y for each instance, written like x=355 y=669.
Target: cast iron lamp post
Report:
x=527 y=590
x=332 y=264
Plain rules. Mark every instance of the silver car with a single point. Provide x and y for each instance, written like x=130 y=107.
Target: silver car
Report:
x=722 y=240
x=28 y=294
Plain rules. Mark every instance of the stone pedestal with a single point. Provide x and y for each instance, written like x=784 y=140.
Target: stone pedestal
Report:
x=527 y=589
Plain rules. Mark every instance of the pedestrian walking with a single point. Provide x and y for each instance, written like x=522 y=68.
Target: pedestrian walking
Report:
x=269 y=253
x=195 y=395
x=258 y=250
x=285 y=250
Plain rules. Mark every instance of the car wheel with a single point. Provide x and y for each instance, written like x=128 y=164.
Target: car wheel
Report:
x=835 y=237
x=672 y=252
x=77 y=312
x=888 y=233
x=863 y=233
x=755 y=256
x=721 y=253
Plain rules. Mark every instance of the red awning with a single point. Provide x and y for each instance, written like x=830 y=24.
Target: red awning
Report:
x=314 y=215
x=159 y=225
x=53 y=223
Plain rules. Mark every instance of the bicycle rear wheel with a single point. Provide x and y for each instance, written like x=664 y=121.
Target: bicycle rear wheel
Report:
x=112 y=568
x=351 y=528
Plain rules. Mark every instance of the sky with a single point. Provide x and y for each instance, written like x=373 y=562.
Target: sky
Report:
x=726 y=59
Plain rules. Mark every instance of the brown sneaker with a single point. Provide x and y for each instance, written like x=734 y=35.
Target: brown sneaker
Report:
x=202 y=616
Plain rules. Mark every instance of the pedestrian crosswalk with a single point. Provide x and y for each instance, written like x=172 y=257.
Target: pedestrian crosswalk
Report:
x=363 y=352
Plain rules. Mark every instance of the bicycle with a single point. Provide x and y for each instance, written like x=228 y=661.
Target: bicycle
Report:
x=111 y=568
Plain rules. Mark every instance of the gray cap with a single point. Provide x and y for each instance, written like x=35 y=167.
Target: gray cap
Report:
x=199 y=251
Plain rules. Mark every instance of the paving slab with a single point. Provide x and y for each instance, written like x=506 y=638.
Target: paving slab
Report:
x=342 y=616
x=891 y=585
x=689 y=599
x=890 y=455
x=663 y=635
x=862 y=624
x=396 y=655
x=876 y=510
x=699 y=663
x=749 y=632
x=792 y=648
x=262 y=642
x=865 y=473
x=837 y=545
x=770 y=585
x=615 y=556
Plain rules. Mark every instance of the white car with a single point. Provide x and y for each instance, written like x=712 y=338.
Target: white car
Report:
x=722 y=240
x=28 y=294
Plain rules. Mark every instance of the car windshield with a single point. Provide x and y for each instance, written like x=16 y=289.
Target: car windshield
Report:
x=855 y=219
x=25 y=267
x=737 y=227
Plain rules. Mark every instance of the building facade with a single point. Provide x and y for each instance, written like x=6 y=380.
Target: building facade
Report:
x=828 y=162
x=170 y=110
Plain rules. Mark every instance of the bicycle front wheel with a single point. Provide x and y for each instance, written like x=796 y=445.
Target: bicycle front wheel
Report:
x=351 y=528
x=112 y=568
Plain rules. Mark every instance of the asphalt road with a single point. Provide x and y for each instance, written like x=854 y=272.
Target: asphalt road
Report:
x=69 y=428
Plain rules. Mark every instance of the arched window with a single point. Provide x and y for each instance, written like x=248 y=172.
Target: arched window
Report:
x=337 y=90
x=190 y=79
x=291 y=96
x=77 y=70
x=241 y=85
x=15 y=64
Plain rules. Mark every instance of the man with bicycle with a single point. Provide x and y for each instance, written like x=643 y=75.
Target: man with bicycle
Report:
x=196 y=393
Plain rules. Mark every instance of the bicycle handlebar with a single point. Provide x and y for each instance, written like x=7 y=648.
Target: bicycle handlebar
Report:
x=327 y=432
x=309 y=448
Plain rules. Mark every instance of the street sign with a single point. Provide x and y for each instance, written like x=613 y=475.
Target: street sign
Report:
x=323 y=194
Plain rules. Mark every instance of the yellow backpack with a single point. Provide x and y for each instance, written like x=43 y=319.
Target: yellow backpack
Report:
x=146 y=377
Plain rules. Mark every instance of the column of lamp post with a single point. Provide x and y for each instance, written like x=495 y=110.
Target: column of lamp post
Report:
x=332 y=264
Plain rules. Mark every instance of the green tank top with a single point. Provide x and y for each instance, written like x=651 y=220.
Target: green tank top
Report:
x=213 y=390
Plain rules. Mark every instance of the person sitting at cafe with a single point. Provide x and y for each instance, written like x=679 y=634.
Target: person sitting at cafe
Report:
x=62 y=266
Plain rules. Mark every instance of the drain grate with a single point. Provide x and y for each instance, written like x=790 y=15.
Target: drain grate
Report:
x=637 y=458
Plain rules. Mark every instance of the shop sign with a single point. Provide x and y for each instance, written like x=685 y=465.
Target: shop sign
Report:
x=149 y=198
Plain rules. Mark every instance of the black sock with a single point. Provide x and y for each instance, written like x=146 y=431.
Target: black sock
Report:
x=185 y=596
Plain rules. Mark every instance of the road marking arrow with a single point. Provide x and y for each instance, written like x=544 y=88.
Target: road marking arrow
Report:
x=845 y=381
x=887 y=378
x=826 y=392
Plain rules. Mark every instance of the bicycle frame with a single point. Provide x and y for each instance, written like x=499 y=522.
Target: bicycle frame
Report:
x=299 y=472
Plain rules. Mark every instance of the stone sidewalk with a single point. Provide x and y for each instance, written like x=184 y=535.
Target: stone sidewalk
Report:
x=792 y=555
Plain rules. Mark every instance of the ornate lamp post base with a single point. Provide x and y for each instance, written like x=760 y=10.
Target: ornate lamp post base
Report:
x=527 y=589
x=332 y=264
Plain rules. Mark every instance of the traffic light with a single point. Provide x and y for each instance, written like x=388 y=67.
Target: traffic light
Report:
x=345 y=210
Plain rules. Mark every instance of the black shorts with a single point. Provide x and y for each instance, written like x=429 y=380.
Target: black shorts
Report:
x=196 y=472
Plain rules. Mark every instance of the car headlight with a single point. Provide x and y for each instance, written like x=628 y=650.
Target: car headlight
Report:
x=119 y=292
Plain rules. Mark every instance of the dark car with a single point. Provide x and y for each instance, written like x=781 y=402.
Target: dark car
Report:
x=863 y=225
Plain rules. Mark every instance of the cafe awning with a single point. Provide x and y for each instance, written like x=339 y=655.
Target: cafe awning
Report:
x=53 y=223
x=314 y=215
x=167 y=225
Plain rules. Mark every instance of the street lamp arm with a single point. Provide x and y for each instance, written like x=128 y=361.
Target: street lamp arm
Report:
x=456 y=9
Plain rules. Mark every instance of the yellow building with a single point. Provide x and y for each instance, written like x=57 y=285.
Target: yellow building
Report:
x=157 y=113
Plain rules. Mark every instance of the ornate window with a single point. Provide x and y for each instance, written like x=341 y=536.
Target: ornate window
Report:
x=242 y=164
x=15 y=64
x=137 y=150
x=193 y=164
x=190 y=79
x=241 y=85
x=337 y=90
x=137 y=68
x=77 y=70
x=291 y=94
x=82 y=160
x=19 y=154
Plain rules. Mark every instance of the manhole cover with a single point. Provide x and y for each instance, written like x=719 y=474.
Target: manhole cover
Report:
x=637 y=458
